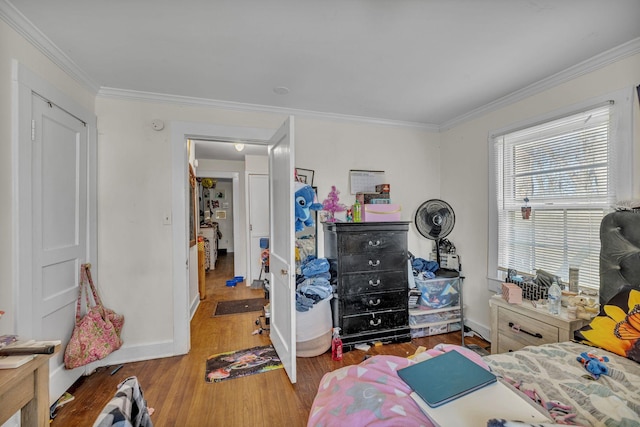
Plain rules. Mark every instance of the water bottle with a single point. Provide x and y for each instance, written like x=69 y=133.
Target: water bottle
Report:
x=357 y=212
x=553 y=300
x=336 y=345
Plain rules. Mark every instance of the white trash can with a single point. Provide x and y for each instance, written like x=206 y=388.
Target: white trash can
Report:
x=314 y=329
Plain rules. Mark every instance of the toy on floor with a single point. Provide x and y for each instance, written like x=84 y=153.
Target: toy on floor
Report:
x=594 y=364
x=304 y=198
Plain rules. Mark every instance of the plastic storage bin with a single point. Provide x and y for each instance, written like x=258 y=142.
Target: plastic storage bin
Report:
x=426 y=317
x=313 y=329
x=439 y=292
x=434 y=330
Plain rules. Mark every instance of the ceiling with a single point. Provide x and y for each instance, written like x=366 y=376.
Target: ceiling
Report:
x=413 y=62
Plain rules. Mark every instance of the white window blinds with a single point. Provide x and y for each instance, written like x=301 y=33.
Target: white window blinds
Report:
x=564 y=168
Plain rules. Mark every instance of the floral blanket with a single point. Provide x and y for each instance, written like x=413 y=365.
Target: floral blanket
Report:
x=551 y=375
x=372 y=394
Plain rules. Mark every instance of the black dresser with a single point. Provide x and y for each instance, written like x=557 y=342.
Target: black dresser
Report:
x=369 y=271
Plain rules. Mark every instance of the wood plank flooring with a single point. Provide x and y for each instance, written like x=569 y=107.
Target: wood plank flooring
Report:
x=176 y=388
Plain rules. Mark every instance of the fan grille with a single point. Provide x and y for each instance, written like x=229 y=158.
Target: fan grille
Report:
x=435 y=219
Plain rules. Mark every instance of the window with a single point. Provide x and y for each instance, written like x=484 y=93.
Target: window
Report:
x=571 y=169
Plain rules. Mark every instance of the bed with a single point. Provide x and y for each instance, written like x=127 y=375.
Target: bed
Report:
x=549 y=376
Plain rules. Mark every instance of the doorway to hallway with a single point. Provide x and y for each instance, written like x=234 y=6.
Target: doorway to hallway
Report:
x=218 y=291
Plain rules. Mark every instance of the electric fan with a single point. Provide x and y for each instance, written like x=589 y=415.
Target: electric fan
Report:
x=435 y=220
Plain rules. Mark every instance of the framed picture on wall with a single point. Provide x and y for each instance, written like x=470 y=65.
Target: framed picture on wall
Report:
x=305 y=176
x=219 y=194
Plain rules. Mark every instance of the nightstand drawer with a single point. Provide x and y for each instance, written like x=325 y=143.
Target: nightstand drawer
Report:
x=516 y=331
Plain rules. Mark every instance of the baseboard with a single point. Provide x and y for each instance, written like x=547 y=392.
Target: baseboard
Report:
x=482 y=330
x=194 y=306
x=137 y=353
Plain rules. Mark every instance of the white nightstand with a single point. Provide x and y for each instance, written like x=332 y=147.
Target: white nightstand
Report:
x=514 y=326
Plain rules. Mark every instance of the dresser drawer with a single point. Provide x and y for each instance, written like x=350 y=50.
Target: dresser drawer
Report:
x=373 y=262
x=357 y=304
x=364 y=283
x=516 y=330
x=374 y=321
x=374 y=242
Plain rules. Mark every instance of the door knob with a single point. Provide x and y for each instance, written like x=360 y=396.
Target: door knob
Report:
x=284 y=271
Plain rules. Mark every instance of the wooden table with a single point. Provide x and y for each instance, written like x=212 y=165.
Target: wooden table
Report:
x=27 y=388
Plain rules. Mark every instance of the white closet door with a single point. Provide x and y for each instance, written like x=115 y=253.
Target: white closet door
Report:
x=59 y=228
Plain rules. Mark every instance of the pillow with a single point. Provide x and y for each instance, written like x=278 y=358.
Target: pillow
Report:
x=617 y=327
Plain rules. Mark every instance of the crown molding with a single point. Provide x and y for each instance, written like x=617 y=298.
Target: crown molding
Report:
x=134 y=95
x=601 y=60
x=33 y=35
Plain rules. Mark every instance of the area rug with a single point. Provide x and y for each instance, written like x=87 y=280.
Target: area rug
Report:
x=236 y=364
x=224 y=308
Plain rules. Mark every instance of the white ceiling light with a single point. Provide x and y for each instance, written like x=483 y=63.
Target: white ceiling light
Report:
x=239 y=147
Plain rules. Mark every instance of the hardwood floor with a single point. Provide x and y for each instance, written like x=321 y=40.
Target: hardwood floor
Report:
x=176 y=388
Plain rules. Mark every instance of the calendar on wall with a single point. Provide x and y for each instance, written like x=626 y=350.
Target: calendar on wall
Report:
x=365 y=181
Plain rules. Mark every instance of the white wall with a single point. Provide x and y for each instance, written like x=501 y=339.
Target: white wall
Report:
x=410 y=157
x=135 y=248
x=134 y=181
x=13 y=46
x=465 y=178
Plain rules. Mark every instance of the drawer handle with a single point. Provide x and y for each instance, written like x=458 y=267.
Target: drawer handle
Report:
x=371 y=283
x=371 y=303
x=376 y=323
x=374 y=264
x=516 y=328
x=377 y=243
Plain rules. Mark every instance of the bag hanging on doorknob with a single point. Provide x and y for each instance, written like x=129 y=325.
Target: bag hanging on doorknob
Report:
x=97 y=334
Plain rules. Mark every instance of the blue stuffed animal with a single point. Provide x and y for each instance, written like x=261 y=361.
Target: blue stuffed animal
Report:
x=594 y=364
x=304 y=203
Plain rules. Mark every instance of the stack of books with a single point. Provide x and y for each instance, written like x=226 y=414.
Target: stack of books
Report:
x=15 y=353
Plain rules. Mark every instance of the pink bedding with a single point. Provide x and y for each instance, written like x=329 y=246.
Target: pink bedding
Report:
x=372 y=394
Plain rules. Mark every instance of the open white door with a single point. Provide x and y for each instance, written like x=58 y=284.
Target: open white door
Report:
x=281 y=257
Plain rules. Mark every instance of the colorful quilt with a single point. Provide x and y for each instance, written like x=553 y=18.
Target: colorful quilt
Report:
x=372 y=394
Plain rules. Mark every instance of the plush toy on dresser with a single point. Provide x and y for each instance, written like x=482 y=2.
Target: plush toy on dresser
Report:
x=304 y=198
x=585 y=308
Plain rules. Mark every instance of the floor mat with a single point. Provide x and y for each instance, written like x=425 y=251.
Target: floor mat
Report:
x=236 y=364
x=224 y=308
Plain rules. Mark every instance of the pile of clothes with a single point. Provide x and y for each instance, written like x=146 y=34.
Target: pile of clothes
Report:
x=424 y=269
x=313 y=283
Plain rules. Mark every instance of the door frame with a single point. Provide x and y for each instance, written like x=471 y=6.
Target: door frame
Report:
x=180 y=132
x=235 y=201
x=248 y=196
x=24 y=83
